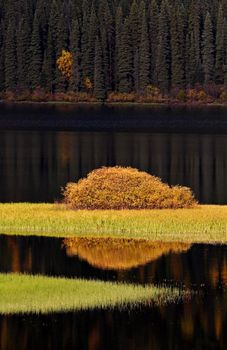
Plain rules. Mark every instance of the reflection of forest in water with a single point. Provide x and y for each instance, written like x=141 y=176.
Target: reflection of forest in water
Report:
x=34 y=165
x=193 y=325
x=197 y=323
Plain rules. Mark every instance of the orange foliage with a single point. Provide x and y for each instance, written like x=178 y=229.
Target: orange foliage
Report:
x=88 y=84
x=152 y=95
x=121 y=97
x=73 y=97
x=120 y=254
x=65 y=63
x=198 y=95
x=125 y=188
x=223 y=96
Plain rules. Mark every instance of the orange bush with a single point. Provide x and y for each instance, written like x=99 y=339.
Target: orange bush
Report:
x=88 y=84
x=65 y=64
x=198 y=95
x=125 y=188
x=223 y=95
x=121 y=97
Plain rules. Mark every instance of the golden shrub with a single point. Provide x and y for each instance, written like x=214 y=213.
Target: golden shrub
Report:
x=115 y=97
x=65 y=64
x=88 y=84
x=125 y=188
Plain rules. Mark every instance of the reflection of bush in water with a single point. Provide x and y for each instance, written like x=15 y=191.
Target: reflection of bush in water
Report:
x=125 y=188
x=119 y=253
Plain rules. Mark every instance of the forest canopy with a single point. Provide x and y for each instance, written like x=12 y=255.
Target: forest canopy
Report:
x=124 y=46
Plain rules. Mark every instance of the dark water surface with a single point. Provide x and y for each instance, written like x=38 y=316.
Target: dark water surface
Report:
x=198 y=323
x=182 y=146
x=42 y=147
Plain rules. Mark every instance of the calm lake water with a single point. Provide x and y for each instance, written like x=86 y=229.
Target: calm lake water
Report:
x=197 y=323
x=42 y=147
x=38 y=155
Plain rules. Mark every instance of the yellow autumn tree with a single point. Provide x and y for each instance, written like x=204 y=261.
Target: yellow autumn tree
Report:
x=88 y=84
x=65 y=64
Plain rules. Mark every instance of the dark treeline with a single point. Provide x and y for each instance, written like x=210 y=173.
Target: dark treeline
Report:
x=118 y=45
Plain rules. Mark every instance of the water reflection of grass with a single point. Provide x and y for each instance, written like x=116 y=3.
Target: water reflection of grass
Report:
x=201 y=224
x=37 y=294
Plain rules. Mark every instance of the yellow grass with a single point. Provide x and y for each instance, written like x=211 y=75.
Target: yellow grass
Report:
x=200 y=224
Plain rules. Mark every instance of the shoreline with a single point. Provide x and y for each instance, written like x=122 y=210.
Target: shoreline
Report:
x=202 y=224
x=122 y=103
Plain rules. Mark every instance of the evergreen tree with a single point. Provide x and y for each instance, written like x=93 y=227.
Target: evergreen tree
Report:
x=144 y=55
x=118 y=33
x=84 y=39
x=125 y=63
x=193 y=53
x=153 y=25
x=92 y=33
x=2 y=78
x=36 y=55
x=208 y=49
x=57 y=40
x=190 y=62
x=177 y=46
x=107 y=35
x=49 y=64
x=62 y=34
x=75 y=47
x=11 y=57
x=23 y=54
x=135 y=37
x=163 y=50
x=219 y=59
x=160 y=42
x=99 y=77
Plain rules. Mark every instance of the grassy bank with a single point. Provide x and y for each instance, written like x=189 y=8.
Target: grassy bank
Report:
x=36 y=294
x=200 y=224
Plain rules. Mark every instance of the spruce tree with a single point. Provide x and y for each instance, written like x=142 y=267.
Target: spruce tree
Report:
x=62 y=34
x=75 y=47
x=177 y=46
x=208 y=50
x=99 y=77
x=23 y=53
x=219 y=59
x=144 y=55
x=36 y=55
x=56 y=42
x=153 y=25
x=84 y=38
x=2 y=78
x=118 y=34
x=190 y=61
x=49 y=63
x=92 y=33
x=11 y=57
x=163 y=50
x=107 y=41
x=125 y=63
x=182 y=43
x=194 y=59
x=135 y=35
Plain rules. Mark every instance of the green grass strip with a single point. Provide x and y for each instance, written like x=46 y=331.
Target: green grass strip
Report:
x=203 y=224
x=37 y=294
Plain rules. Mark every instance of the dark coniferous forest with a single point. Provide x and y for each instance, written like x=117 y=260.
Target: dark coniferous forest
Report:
x=120 y=46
